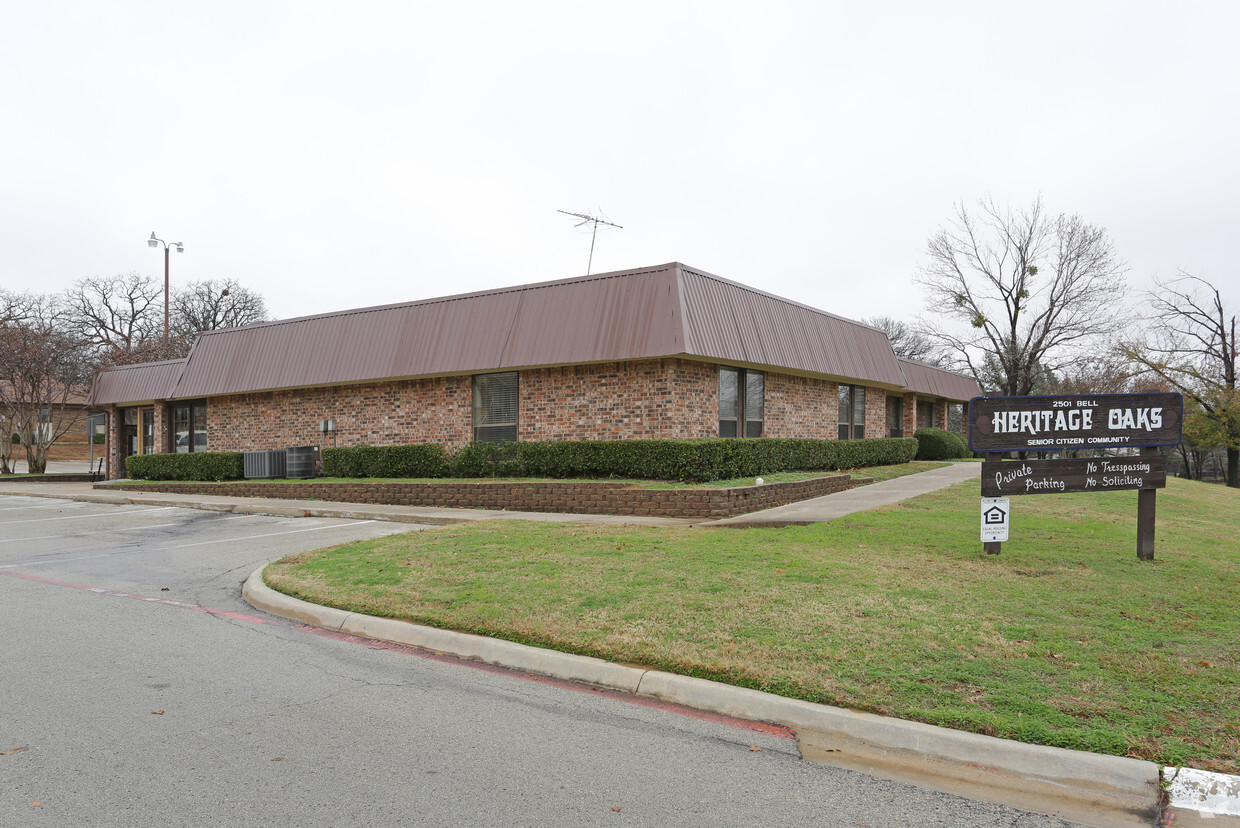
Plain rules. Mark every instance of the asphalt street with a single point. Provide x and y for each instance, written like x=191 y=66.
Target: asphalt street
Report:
x=138 y=688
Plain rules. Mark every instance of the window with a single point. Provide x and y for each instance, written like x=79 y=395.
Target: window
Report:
x=148 y=431
x=925 y=414
x=955 y=417
x=189 y=427
x=852 y=411
x=495 y=407
x=741 y=395
x=895 y=416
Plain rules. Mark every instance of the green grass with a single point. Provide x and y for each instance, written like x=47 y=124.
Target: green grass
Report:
x=1064 y=639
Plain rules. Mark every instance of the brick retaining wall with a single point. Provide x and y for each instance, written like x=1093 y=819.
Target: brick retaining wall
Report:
x=566 y=496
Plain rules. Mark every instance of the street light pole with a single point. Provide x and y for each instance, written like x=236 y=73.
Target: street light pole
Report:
x=154 y=242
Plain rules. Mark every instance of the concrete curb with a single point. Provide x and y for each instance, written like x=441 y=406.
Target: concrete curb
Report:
x=1086 y=787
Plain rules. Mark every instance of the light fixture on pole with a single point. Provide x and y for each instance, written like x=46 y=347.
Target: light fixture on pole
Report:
x=180 y=248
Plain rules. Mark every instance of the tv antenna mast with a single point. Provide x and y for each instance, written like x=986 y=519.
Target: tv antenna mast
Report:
x=588 y=219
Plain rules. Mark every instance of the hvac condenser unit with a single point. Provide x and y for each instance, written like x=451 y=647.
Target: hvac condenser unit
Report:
x=266 y=463
x=300 y=461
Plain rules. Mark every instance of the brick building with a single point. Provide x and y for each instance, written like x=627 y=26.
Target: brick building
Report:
x=665 y=351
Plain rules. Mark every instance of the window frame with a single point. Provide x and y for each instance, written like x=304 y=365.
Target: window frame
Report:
x=494 y=432
x=895 y=429
x=196 y=413
x=742 y=423
x=849 y=428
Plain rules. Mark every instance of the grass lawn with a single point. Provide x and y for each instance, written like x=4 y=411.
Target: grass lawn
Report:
x=1064 y=639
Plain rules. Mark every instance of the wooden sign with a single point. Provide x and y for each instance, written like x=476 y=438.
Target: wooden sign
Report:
x=1004 y=478
x=999 y=424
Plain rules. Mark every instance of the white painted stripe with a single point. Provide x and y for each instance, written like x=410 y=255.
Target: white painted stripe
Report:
x=81 y=517
x=60 y=505
x=77 y=535
x=98 y=532
x=270 y=535
x=1212 y=794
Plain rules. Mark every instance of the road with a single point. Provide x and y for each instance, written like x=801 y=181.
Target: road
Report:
x=142 y=690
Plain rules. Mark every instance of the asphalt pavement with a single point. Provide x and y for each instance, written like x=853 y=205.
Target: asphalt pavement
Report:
x=139 y=689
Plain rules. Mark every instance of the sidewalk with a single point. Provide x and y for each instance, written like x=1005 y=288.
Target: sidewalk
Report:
x=829 y=507
x=815 y=510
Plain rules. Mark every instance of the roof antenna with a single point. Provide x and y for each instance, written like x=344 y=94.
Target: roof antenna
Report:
x=588 y=219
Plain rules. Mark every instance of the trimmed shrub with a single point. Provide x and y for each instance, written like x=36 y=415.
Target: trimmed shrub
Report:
x=419 y=460
x=205 y=465
x=937 y=444
x=689 y=460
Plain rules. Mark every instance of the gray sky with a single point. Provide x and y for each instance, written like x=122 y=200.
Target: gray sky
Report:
x=336 y=155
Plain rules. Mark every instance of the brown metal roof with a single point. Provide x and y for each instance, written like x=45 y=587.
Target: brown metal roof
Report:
x=926 y=379
x=138 y=383
x=662 y=311
x=728 y=321
x=592 y=319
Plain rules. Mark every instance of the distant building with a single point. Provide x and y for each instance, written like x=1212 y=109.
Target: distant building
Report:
x=657 y=352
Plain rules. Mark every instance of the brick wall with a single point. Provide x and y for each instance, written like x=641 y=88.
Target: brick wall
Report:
x=643 y=399
x=800 y=407
x=658 y=398
x=435 y=410
x=910 y=415
x=561 y=496
x=875 y=412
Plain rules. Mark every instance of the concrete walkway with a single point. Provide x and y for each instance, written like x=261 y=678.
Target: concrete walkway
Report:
x=829 y=507
x=815 y=510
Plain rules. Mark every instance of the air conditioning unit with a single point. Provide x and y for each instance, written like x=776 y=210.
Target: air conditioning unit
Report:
x=268 y=463
x=300 y=461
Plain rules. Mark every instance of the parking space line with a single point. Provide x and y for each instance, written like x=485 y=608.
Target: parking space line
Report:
x=32 y=508
x=81 y=517
x=270 y=534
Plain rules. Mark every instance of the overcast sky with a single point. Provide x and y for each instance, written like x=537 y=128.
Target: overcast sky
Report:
x=336 y=155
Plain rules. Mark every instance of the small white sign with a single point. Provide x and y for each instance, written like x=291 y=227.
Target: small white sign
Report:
x=995 y=514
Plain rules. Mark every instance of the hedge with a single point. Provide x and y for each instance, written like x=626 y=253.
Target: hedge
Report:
x=203 y=465
x=937 y=444
x=422 y=460
x=688 y=460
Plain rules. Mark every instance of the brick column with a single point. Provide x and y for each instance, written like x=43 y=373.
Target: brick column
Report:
x=875 y=412
x=113 y=445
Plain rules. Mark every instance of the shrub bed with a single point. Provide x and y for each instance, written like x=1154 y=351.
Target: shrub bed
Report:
x=421 y=460
x=937 y=444
x=206 y=465
x=695 y=461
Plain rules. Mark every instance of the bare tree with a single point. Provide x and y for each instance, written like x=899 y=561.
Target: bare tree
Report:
x=1192 y=346
x=1029 y=291
x=215 y=303
x=14 y=308
x=1109 y=373
x=43 y=376
x=908 y=342
x=115 y=313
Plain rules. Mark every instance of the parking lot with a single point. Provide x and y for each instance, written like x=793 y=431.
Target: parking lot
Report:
x=140 y=689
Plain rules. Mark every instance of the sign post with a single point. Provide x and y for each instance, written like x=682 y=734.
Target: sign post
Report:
x=1145 y=421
